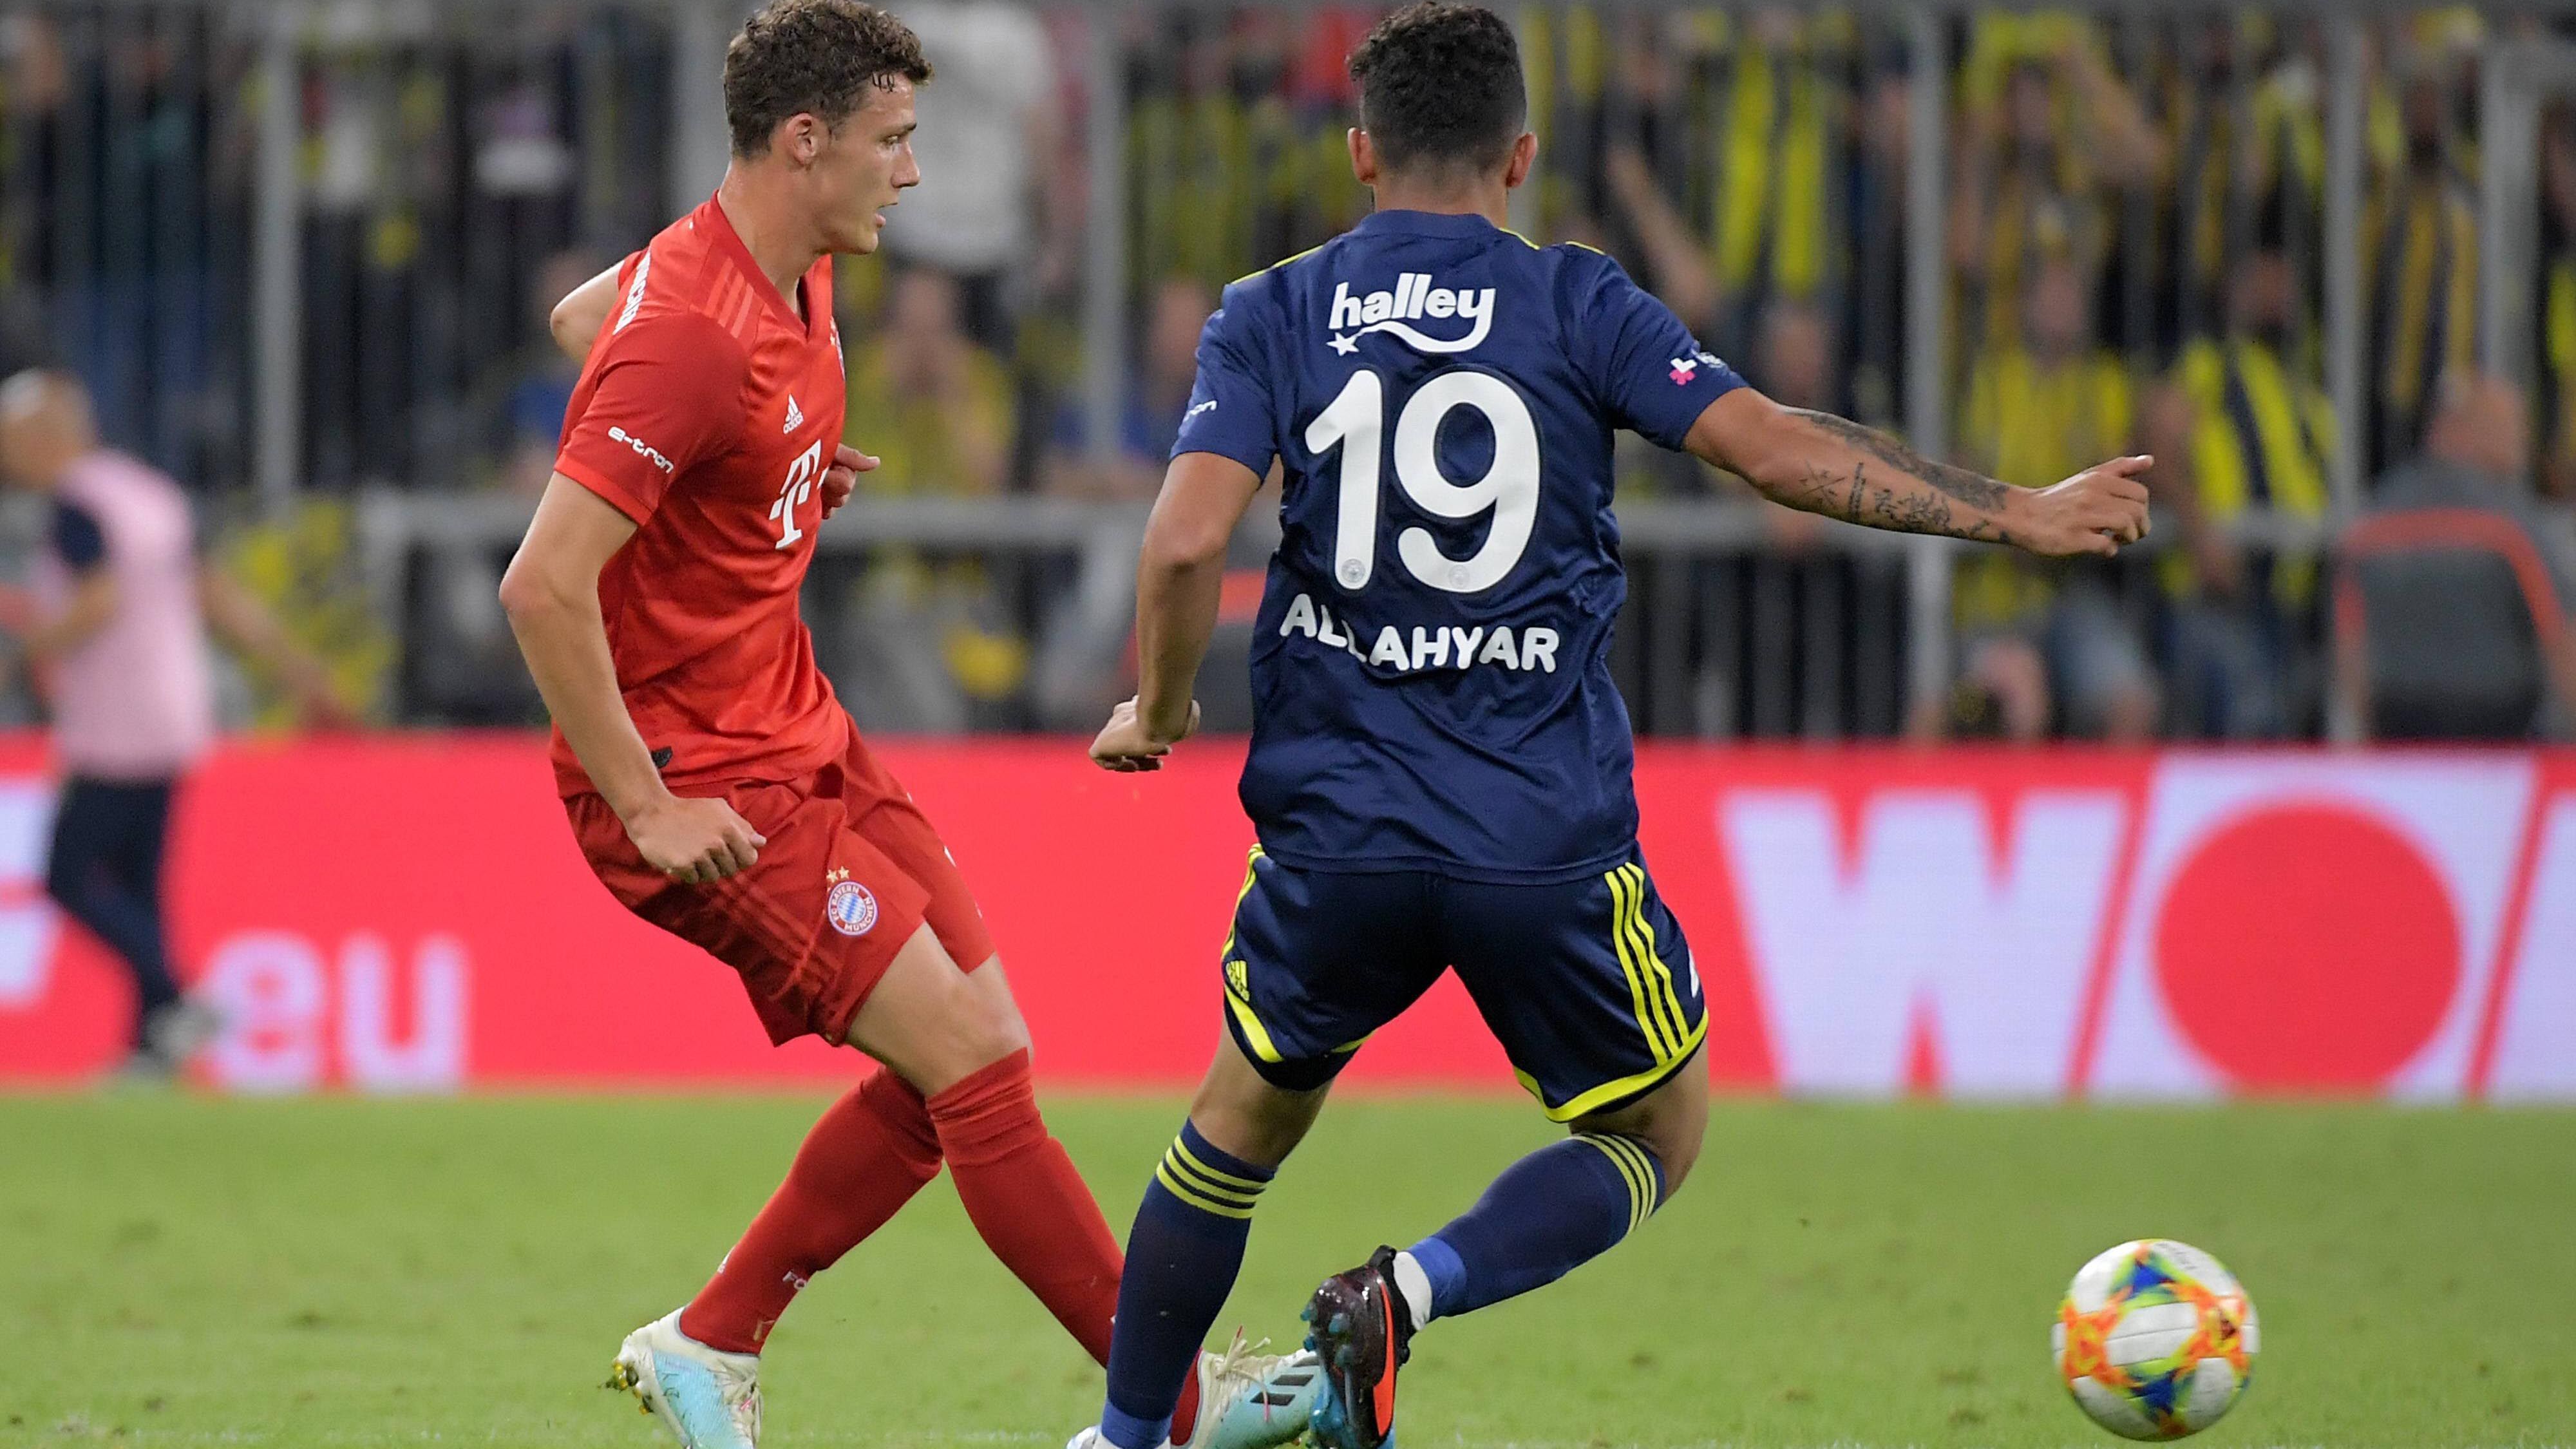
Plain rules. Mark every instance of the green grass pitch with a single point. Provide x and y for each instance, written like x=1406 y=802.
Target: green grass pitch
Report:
x=336 y=1272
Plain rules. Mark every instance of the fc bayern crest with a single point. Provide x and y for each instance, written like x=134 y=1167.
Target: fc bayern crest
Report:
x=849 y=906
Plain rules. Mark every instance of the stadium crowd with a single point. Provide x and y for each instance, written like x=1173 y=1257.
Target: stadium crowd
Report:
x=2134 y=240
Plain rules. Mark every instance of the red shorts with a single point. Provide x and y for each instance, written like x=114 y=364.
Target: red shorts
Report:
x=851 y=870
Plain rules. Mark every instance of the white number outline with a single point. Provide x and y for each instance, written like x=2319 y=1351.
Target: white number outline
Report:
x=1355 y=422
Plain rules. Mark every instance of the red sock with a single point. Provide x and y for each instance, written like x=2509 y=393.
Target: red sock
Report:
x=870 y=1152
x=1035 y=1213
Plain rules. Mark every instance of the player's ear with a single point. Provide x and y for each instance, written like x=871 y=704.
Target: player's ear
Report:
x=800 y=139
x=1363 y=156
x=1524 y=156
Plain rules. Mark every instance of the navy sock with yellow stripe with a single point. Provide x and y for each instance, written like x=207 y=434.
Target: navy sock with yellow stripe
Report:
x=1561 y=1206
x=1182 y=1257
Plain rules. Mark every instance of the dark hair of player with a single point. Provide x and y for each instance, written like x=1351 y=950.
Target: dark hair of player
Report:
x=817 y=57
x=1440 y=87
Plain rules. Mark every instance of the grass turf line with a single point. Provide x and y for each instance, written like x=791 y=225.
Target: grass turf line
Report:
x=340 y=1272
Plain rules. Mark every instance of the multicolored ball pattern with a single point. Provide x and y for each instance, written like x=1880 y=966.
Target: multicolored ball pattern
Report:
x=2156 y=1339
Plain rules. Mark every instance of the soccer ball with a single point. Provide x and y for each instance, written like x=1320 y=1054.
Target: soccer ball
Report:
x=2155 y=1340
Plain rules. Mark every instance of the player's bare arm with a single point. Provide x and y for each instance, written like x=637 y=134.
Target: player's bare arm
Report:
x=552 y=595
x=1835 y=467
x=1179 y=575
x=576 y=320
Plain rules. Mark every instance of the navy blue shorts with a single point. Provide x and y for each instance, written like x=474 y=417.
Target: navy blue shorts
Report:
x=1587 y=984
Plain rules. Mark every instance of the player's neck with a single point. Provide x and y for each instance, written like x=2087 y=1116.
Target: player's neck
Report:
x=1490 y=201
x=781 y=245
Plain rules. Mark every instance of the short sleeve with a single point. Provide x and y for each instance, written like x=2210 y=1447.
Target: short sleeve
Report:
x=1645 y=366
x=77 y=540
x=1230 y=411
x=668 y=396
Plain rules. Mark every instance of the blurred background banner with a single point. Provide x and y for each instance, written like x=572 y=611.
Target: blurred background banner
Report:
x=409 y=915
x=2320 y=259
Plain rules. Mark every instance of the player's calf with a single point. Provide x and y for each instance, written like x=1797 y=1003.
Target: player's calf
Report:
x=1549 y=1213
x=1670 y=1122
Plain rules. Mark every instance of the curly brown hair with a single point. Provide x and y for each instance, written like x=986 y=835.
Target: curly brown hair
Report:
x=817 y=57
x=1440 y=85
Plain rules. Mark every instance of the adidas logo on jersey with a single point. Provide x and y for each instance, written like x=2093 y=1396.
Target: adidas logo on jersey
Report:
x=1413 y=299
x=795 y=415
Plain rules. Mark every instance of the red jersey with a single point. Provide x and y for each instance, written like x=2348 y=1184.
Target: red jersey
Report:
x=707 y=413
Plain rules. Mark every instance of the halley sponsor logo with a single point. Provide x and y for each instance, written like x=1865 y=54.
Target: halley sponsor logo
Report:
x=634 y=293
x=642 y=449
x=1413 y=299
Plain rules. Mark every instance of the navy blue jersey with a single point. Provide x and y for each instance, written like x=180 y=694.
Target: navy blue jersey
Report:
x=1430 y=669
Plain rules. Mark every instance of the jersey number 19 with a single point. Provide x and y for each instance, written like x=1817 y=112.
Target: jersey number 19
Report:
x=1509 y=489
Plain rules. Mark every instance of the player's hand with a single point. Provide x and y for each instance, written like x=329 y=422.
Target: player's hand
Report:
x=842 y=478
x=694 y=841
x=1124 y=744
x=2095 y=511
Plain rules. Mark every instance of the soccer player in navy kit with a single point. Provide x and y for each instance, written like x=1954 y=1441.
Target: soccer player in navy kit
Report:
x=1440 y=764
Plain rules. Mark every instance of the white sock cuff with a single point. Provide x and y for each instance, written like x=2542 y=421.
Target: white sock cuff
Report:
x=1415 y=1285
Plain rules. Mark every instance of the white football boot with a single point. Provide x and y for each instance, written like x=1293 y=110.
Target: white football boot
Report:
x=709 y=1398
x=1247 y=1400
x=1252 y=1400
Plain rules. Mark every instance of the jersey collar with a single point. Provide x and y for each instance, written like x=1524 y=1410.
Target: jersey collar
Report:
x=1450 y=226
x=730 y=242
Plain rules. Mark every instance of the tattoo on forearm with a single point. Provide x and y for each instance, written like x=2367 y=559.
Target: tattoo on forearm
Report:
x=1828 y=491
x=1973 y=489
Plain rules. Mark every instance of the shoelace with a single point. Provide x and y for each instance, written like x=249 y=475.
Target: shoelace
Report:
x=1243 y=1367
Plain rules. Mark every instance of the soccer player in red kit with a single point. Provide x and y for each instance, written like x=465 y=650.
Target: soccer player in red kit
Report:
x=715 y=784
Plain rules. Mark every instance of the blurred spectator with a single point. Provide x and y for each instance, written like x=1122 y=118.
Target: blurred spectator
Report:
x=541 y=392
x=1149 y=415
x=2557 y=340
x=1775 y=142
x=2053 y=137
x=2423 y=245
x=2453 y=651
x=2241 y=427
x=992 y=209
x=927 y=399
x=928 y=642
x=2044 y=639
x=123 y=605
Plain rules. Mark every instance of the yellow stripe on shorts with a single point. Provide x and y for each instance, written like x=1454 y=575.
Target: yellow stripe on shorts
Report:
x=1659 y=977
x=1647 y=1017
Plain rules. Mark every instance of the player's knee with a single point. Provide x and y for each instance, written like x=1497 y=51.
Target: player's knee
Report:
x=1671 y=1121
x=976 y=1029
x=1244 y=1115
x=1676 y=1149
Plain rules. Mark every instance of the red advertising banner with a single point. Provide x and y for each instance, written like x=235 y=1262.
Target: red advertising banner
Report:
x=408 y=914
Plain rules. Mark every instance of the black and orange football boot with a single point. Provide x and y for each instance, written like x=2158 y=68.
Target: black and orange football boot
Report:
x=1363 y=1332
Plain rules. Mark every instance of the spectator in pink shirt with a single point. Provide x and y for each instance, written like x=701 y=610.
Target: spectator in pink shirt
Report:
x=123 y=605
